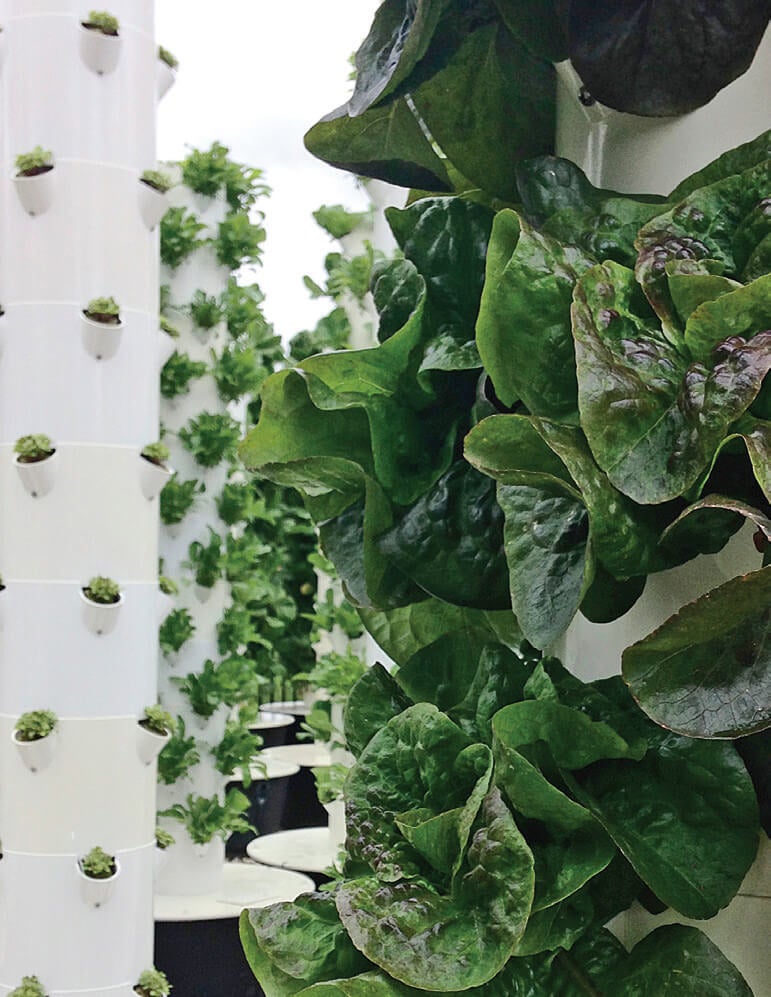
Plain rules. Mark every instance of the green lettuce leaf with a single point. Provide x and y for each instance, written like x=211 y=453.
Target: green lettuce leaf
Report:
x=397 y=40
x=737 y=160
x=523 y=329
x=374 y=700
x=402 y=632
x=546 y=542
x=385 y=142
x=291 y=945
x=706 y=671
x=486 y=100
x=450 y=542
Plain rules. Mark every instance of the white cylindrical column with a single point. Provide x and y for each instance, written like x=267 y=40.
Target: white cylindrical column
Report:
x=89 y=100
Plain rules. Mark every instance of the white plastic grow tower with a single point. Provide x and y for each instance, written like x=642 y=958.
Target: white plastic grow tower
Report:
x=191 y=869
x=91 y=101
x=652 y=155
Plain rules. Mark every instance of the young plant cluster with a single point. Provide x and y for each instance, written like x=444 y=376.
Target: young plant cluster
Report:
x=569 y=395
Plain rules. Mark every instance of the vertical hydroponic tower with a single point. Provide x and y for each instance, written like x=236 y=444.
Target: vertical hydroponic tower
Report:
x=76 y=229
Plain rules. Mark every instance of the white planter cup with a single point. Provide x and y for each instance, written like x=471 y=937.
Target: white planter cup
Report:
x=36 y=755
x=152 y=204
x=100 y=617
x=36 y=193
x=100 y=339
x=98 y=51
x=96 y=892
x=38 y=476
x=164 y=78
x=150 y=744
x=152 y=477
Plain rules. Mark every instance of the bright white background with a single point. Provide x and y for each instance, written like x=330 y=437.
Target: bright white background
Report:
x=255 y=75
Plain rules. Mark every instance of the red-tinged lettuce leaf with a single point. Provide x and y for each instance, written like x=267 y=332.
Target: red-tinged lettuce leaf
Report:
x=290 y=946
x=490 y=103
x=663 y=58
x=653 y=420
x=737 y=160
x=385 y=142
x=374 y=700
x=706 y=526
x=455 y=941
x=520 y=450
x=706 y=671
x=397 y=40
x=402 y=632
x=701 y=227
x=450 y=542
x=523 y=329
x=419 y=759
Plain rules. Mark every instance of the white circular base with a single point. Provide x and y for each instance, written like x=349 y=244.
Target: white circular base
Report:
x=305 y=755
x=243 y=885
x=307 y=849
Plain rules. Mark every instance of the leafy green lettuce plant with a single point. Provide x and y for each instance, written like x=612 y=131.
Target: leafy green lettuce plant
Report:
x=180 y=235
x=178 y=755
x=204 y=817
x=177 y=498
x=211 y=437
x=568 y=396
x=177 y=373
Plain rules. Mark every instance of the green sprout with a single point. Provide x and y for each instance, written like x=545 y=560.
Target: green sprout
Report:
x=153 y=983
x=31 y=449
x=100 y=20
x=156 y=453
x=97 y=864
x=165 y=56
x=103 y=310
x=39 y=160
x=103 y=590
x=35 y=725
x=158 y=720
